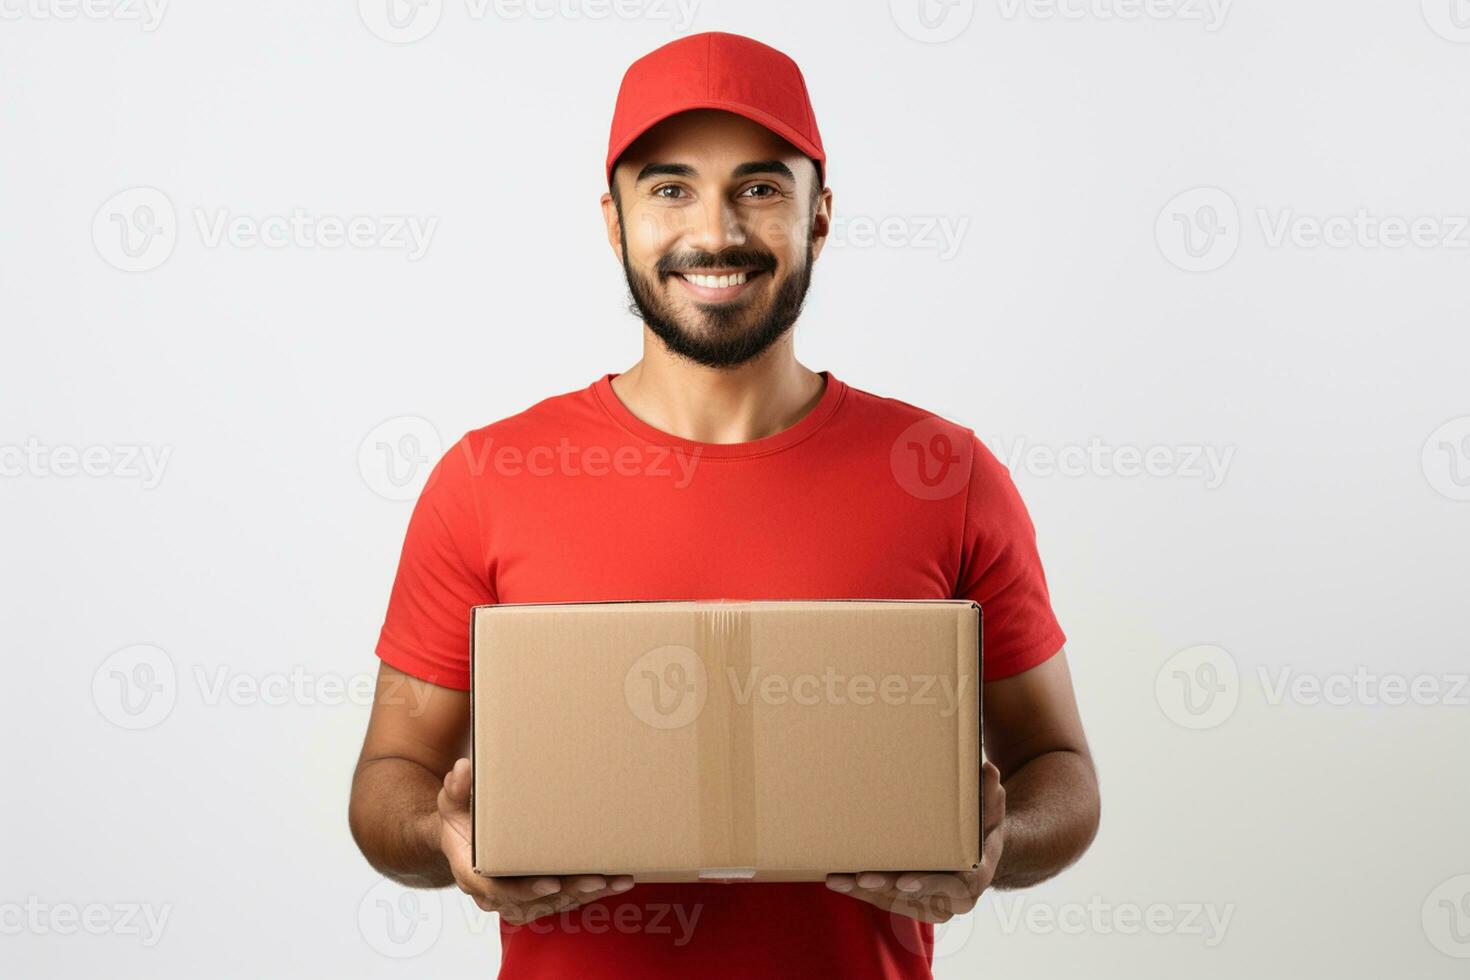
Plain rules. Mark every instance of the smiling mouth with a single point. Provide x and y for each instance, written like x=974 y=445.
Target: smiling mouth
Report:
x=719 y=285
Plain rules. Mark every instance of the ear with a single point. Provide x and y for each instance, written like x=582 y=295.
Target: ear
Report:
x=614 y=225
x=821 y=222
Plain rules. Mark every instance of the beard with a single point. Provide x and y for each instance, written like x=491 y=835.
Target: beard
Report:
x=730 y=333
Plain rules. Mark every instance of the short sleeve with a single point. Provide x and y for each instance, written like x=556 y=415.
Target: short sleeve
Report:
x=1000 y=569
x=427 y=627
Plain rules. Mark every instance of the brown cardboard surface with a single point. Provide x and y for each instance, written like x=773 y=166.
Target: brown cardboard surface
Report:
x=766 y=741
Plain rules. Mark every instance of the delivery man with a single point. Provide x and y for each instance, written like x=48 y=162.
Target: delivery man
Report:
x=775 y=482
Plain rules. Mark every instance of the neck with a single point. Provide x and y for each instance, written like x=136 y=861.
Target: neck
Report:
x=759 y=398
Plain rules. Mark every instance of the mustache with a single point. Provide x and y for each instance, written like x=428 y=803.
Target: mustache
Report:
x=692 y=261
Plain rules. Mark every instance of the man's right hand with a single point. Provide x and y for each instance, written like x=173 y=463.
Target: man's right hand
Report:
x=518 y=900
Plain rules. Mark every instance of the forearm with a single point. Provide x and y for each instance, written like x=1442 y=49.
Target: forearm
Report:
x=1051 y=816
x=394 y=816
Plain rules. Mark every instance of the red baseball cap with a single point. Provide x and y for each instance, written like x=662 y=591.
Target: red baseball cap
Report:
x=715 y=70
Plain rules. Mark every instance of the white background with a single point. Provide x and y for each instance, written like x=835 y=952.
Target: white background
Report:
x=1329 y=836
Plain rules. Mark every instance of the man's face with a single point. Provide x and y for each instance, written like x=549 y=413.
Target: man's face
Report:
x=718 y=223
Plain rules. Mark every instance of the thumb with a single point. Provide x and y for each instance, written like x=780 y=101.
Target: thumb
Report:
x=457 y=785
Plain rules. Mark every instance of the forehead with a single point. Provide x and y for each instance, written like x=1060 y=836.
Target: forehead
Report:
x=710 y=139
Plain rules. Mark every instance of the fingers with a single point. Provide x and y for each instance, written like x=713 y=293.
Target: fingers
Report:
x=523 y=890
x=516 y=899
x=580 y=890
x=589 y=888
x=524 y=899
x=927 y=896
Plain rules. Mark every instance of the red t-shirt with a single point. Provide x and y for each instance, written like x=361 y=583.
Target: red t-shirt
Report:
x=576 y=499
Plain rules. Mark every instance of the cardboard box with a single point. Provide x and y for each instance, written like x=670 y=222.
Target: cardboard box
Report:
x=759 y=741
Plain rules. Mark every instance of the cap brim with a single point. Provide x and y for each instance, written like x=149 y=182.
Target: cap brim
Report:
x=749 y=112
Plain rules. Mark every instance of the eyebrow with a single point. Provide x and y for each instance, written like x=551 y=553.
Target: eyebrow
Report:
x=744 y=170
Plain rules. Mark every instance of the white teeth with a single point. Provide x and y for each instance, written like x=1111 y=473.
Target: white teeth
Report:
x=716 y=282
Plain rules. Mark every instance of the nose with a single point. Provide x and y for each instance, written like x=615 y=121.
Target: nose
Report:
x=716 y=226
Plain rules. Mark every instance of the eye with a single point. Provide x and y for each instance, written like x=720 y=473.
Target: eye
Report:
x=771 y=191
x=676 y=192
